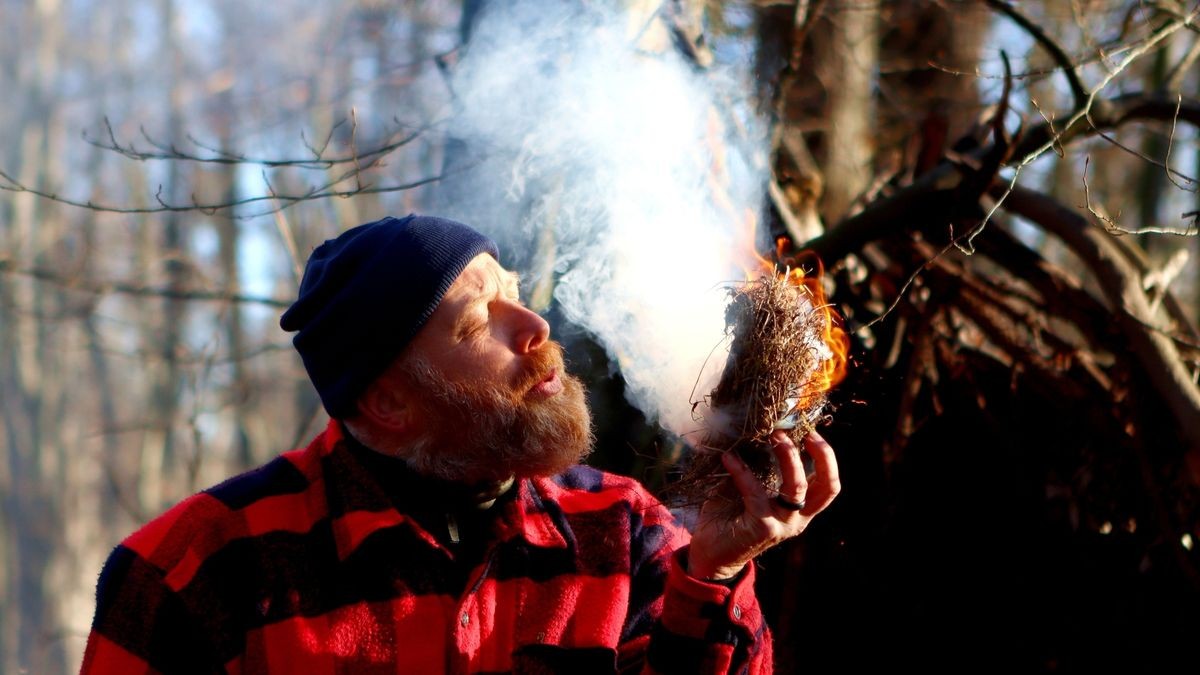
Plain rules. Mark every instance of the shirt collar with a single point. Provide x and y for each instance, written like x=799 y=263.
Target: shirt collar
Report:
x=359 y=505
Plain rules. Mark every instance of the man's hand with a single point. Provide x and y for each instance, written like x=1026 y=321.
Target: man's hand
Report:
x=722 y=545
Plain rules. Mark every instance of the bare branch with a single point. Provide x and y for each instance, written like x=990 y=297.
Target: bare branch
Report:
x=1187 y=231
x=95 y=287
x=1176 y=10
x=977 y=183
x=1110 y=224
x=286 y=200
x=1058 y=148
x=289 y=242
x=1085 y=110
x=1114 y=113
x=1056 y=52
x=318 y=161
x=1165 y=164
x=926 y=203
x=1122 y=286
x=909 y=282
x=1111 y=47
x=1170 y=143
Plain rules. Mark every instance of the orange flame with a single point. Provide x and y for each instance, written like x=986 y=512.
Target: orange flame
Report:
x=833 y=370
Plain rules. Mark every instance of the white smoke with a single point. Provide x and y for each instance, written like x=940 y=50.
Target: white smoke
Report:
x=631 y=155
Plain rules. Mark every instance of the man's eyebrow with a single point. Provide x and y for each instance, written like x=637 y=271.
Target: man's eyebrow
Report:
x=465 y=318
x=480 y=289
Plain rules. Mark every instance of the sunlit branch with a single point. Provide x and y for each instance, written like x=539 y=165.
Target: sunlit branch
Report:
x=1112 y=114
x=1085 y=110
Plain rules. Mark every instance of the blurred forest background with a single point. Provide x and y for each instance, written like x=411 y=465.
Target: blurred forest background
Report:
x=1004 y=197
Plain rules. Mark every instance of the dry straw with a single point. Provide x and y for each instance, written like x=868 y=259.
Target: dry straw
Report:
x=772 y=380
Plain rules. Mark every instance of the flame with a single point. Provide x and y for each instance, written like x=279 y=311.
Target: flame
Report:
x=831 y=371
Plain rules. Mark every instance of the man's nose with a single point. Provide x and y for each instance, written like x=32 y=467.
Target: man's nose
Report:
x=530 y=330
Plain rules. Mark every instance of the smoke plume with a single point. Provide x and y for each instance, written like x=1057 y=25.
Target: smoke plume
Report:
x=637 y=175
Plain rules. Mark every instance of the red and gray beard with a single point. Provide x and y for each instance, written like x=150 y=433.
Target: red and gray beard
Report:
x=479 y=433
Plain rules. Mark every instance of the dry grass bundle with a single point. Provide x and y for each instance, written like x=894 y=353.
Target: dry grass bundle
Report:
x=777 y=377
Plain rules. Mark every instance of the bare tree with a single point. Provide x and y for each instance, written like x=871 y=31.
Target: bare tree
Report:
x=1020 y=359
x=1003 y=195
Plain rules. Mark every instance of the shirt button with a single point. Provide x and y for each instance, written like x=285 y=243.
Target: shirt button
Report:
x=737 y=612
x=464 y=619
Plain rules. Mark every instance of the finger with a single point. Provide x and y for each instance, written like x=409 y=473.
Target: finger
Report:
x=747 y=484
x=793 y=485
x=824 y=484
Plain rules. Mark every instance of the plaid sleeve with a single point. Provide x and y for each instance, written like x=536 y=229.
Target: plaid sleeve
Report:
x=141 y=624
x=680 y=624
x=709 y=628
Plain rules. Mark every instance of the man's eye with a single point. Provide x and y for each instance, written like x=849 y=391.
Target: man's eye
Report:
x=473 y=329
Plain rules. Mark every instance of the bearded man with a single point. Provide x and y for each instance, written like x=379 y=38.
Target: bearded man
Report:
x=441 y=522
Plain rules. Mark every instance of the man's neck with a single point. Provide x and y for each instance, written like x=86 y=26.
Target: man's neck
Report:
x=396 y=475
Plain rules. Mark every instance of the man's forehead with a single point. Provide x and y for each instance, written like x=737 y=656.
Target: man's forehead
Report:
x=478 y=277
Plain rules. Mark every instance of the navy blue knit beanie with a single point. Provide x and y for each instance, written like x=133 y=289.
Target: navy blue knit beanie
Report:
x=367 y=293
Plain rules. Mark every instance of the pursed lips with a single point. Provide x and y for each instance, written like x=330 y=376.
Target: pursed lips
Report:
x=548 y=386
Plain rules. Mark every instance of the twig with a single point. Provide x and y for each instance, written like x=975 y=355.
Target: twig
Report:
x=1166 y=163
x=1121 y=284
x=95 y=287
x=1084 y=111
x=1056 y=52
x=286 y=201
x=1029 y=74
x=999 y=153
x=317 y=162
x=926 y=200
x=911 y=278
x=1110 y=224
x=1058 y=147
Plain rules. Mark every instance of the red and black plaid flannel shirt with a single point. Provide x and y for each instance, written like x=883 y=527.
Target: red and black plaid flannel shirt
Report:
x=305 y=566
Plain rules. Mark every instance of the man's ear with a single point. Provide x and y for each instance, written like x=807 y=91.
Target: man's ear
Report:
x=387 y=406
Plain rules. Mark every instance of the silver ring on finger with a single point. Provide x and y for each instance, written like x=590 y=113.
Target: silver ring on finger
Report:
x=788 y=505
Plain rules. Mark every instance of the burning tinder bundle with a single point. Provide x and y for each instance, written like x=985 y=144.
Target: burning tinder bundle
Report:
x=786 y=354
